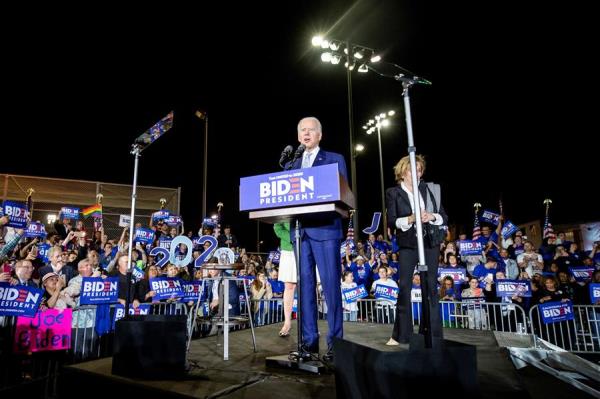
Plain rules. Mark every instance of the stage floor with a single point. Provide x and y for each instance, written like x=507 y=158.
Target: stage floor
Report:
x=245 y=375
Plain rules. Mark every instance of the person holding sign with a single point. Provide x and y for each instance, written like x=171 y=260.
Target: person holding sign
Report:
x=320 y=247
x=384 y=302
x=401 y=217
x=350 y=309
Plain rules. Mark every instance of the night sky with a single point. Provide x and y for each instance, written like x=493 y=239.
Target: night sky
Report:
x=511 y=112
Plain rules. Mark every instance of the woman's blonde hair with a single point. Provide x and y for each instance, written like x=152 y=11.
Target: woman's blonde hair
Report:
x=404 y=164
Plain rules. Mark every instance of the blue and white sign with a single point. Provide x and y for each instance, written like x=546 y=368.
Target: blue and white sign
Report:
x=19 y=300
x=346 y=244
x=142 y=309
x=374 y=224
x=354 y=294
x=160 y=215
x=468 y=247
x=43 y=250
x=173 y=220
x=458 y=274
x=67 y=212
x=191 y=290
x=594 y=293
x=166 y=287
x=165 y=242
x=581 y=273
x=35 y=229
x=124 y=220
x=553 y=312
x=18 y=213
x=137 y=273
x=385 y=292
x=510 y=288
x=143 y=235
x=274 y=257
x=490 y=217
x=224 y=255
x=209 y=222
x=289 y=188
x=95 y=290
x=508 y=229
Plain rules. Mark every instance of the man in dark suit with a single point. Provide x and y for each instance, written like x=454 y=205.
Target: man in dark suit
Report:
x=401 y=217
x=320 y=245
x=58 y=265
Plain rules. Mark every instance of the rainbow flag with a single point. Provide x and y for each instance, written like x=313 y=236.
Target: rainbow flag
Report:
x=95 y=211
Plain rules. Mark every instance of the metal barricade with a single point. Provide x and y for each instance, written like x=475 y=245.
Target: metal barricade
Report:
x=579 y=335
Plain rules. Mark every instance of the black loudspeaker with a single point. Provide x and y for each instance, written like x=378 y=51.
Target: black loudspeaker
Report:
x=448 y=370
x=150 y=346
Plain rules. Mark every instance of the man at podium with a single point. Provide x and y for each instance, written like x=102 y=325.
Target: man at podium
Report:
x=320 y=246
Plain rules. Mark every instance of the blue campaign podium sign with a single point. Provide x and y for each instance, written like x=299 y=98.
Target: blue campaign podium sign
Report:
x=291 y=188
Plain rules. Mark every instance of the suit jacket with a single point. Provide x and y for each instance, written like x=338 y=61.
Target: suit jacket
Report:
x=66 y=270
x=327 y=227
x=398 y=205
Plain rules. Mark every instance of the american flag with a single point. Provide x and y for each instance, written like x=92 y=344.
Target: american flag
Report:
x=548 y=230
x=476 y=228
x=350 y=234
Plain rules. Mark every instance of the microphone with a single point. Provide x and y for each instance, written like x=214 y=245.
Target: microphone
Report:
x=299 y=151
x=285 y=155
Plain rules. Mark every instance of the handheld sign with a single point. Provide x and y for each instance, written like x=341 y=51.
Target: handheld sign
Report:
x=67 y=212
x=36 y=229
x=18 y=213
x=468 y=247
x=95 y=290
x=354 y=294
x=490 y=217
x=387 y=293
x=143 y=235
x=166 y=287
x=19 y=300
x=510 y=288
x=553 y=312
x=49 y=330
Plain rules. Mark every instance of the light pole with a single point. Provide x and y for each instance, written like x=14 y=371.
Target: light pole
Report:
x=377 y=123
x=203 y=115
x=333 y=52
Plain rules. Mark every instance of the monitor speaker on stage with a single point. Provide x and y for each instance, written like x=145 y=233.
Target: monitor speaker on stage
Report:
x=447 y=370
x=150 y=346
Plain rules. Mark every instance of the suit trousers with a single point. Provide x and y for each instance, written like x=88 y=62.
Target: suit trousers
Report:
x=403 y=325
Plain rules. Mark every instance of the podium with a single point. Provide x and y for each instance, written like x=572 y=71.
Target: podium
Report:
x=297 y=196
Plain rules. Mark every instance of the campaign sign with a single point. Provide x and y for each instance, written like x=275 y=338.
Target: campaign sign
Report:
x=142 y=309
x=508 y=229
x=43 y=250
x=553 y=312
x=124 y=220
x=67 y=212
x=415 y=295
x=582 y=273
x=354 y=294
x=374 y=224
x=458 y=274
x=274 y=257
x=468 y=247
x=137 y=273
x=209 y=222
x=509 y=288
x=173 y=220
x=191 y=290
x=49 y=330
x=36 y=229
x=385 y=292
x=166 y=287
x=143 y=235
x=164 y=242
x=290 y=188
x=95 y=290
x=19 y=300
x=18 y=213
x=345 y=244
x=594 y=293
x=160 y=215
x=490 y=217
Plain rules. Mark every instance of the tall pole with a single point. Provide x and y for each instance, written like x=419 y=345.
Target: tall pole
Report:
x=135 y=150
x=205 y=175
x=351 y=131
x=384 y=214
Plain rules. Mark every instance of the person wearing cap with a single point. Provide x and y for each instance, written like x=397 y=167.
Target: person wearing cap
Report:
x=53 y=296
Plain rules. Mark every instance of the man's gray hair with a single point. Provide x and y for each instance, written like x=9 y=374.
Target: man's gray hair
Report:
x=311 y=118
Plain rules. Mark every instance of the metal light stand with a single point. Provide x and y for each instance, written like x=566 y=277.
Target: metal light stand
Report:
x=136 y=150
